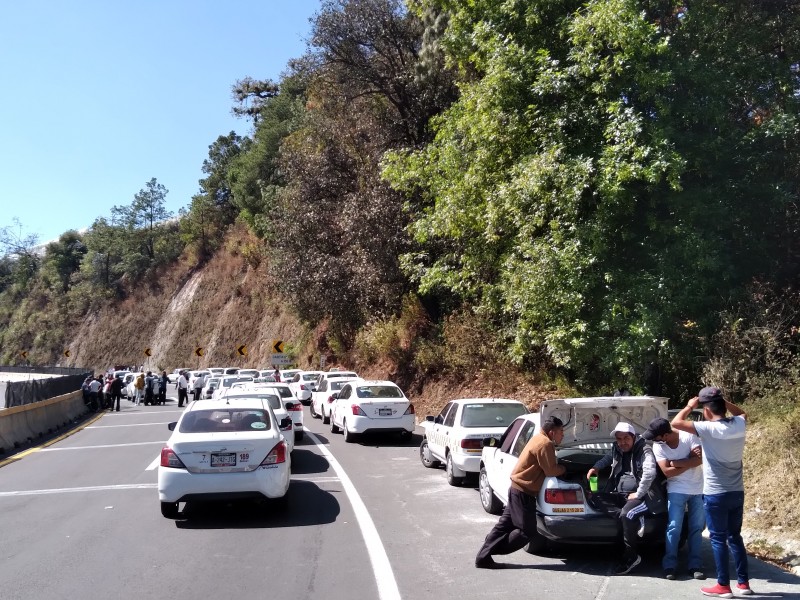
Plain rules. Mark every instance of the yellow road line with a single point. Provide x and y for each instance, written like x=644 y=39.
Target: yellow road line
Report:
x=24 y=453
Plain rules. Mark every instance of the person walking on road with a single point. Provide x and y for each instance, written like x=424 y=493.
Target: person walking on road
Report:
x=183 y=389
x=517 y=524
x=116 y=392
x=679 y=456
x=95 y=390
x=162 y=395
x=138 y=386
x=722 y=438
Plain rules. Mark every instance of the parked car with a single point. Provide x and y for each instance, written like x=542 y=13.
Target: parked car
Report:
x=563 y=509
x=321 y=392
x=128 y=388
x=276 y=404
x=364 y=406
x=173 y=377
x=216 y=371
x=288 y=374
x=227 y=381
x=324 y=396
x=224 y=450
x=212 y=383
x=249 y=373
x=230 y=370
x=303 y=384
x=291 y=403
x=455 y=436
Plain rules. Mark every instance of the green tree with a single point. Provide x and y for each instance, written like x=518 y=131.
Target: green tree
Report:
x=62 y=259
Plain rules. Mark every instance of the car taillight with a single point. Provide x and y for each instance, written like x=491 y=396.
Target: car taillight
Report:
x=331 y=399
x=358 y=411
x=170 y=459
x=295 y=406
x=472 y=444
x=574 y=496
x=410 y=411
x=277 y=455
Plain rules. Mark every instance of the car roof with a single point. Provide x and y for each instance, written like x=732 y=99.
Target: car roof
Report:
x=375 y=382
x=244 y=402
x=486 y=401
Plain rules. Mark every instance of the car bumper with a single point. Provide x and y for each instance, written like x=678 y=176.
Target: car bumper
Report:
x=304 y=396
x=360 y=424
x=466 y=462
x=178 y=485
x=594 y=529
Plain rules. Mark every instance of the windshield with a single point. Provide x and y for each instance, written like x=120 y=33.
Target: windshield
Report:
x=229 y=419
x=309 y=376
x=379 y=391
x=332 y=375
x=337 y=385
x=490 y=415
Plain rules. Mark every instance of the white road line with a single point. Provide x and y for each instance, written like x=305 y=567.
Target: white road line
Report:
x=128 y=425
x=381 y=567
x=154 y=464
x=603 y=588
x=315 y=479
x=54 y=449
x=94 y=488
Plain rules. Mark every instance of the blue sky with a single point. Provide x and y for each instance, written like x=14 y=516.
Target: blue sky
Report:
x=99 y=97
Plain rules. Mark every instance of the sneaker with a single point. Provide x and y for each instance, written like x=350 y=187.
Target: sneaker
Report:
x=626 y=566
x=669 y=574
x=697 y=574
x=718 y=591
x=744 y=589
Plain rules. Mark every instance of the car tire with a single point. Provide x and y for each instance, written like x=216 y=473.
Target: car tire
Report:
x=348 y=436
x=405 y=436
x=536 y=544
x=169 y=510
x=314 y=414
x=451 y=477
x=334 y=428
x=425 y=456
x=489 y=501
x=325 y=420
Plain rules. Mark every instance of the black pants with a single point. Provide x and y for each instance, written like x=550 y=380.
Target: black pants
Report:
x=115 y=398
x=197 y=393
x=183 y=396
x=162 y=394
x=517 y=525
x=629 y=512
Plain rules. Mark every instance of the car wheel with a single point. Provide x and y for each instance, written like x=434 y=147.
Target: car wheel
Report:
x=425 y=456
x=312 y=411
x=169 y=510
x=334 y=428
x=405 y=436
x=348 y=437
x=325 y=419
x=489 y=501
x=451 y=477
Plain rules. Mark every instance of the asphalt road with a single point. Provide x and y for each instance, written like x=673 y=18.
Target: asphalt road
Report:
x=80 y=519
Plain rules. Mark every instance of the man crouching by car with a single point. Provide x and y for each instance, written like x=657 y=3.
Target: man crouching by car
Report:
x=517 y=524
x=633 y=471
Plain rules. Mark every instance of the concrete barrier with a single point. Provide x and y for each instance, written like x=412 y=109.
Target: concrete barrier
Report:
x=28 y=423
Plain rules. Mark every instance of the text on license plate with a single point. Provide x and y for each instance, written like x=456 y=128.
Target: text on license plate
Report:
x=227 y=459
x=384 y=412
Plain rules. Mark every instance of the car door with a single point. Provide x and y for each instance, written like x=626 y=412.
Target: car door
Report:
x=436 y=433
x=503 y=461
x=340 y=404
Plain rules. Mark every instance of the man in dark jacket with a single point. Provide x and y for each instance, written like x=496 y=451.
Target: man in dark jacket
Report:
x=116 y=392
x=517 y=524
x=627 y=491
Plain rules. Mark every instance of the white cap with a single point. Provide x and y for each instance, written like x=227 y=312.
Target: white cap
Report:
x=623 y=427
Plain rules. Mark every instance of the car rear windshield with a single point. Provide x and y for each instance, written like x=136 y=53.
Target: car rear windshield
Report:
x=309 y=377
x=273 y=400
x=490 y=415
x=378 y=391
x=228 y=419
x=341 y=374
x=337 y=385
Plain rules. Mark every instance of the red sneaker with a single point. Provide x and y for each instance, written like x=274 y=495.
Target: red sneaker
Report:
x=718 y=591
x=744 y=589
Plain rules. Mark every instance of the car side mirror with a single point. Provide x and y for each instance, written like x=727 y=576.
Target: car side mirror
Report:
x=172 y=425
x=286 y=422
x=290 y=406
x=429 y=418
x=489 y=442
x=335 y=395
x=438 y=420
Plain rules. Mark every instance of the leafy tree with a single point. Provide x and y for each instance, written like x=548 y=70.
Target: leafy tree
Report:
x=62 y=259
x=21 y=250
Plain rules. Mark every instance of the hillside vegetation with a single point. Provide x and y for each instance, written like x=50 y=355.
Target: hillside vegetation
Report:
x=510 y=198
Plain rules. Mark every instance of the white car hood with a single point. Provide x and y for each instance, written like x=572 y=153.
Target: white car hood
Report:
x=591 y=420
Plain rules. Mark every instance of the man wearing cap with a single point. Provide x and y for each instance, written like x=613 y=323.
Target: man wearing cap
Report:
x=517 y=524
x=678 y=454
x=722 y=438
x=633 y=471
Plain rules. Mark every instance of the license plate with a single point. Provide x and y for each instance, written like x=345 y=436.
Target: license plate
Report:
x=384 y=412
x=223 y=460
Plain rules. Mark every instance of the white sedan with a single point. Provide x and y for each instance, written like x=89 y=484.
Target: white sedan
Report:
x=290 y=403
x=221 y=450
x=365 y=406
x=323 y=398
x=455 y=436
x=303 y=384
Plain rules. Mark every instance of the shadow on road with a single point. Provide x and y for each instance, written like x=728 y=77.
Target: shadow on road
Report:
x=305 y=462
x=389 y=440
x=308 y=505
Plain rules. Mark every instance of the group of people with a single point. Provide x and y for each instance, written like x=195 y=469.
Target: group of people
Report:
x=105 y=393
x=701 y=462
x=150 y=388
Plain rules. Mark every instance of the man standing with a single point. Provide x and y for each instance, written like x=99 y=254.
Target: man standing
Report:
x=723 y=486
x=678 y=454
x=116 y=392
x=517 y=524
x=198 y=382
x=183 y=389
x=627 y=491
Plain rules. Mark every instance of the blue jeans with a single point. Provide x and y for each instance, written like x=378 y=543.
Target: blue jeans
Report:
x=676 y=506
x=724 y=513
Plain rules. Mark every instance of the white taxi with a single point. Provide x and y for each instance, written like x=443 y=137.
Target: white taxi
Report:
x=367 y=406
x=220 y=450
x=564 y=508
x=455 y=436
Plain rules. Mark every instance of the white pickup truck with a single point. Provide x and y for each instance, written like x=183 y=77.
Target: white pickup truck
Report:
x=455 y=437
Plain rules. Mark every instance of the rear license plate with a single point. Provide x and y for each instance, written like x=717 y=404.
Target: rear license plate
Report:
x=223 y=460
x=384 y=412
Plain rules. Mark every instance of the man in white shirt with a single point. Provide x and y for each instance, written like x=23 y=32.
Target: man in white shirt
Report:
x=183 y=389
x=723 y=439
x=679 y=456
